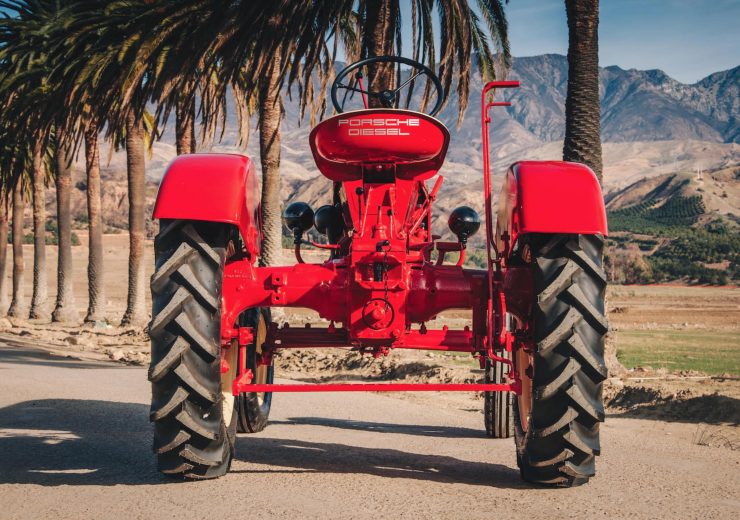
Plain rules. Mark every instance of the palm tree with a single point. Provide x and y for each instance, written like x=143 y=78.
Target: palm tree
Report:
x=95 y=286
x=4 y=206
x=136 y=313
x=14 y=169
x=65 y=309
x=29 y=99
x=290 y=38
x=185 y=127
x=181 y=43
x=270 y=116
x=38 y=190
x=18 y=304
x=462 y=40
x=100 y=37
x=582 y=109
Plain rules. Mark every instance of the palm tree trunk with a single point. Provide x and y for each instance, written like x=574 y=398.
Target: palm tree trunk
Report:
x=4 y=203
x=95 y=288
x=582 y=110
x=65 y=309
x=185 y=127
x=40 y=289
x=135 y=314
x=269 y=123
x=18 y=302
x=378 y=41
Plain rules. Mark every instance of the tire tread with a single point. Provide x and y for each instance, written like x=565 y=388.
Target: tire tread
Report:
x=190 y=437
x=560 y=445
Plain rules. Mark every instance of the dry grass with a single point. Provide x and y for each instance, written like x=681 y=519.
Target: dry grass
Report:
x=709 y=351
x=677 y=328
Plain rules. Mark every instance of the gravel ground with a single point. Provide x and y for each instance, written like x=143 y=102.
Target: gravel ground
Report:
x=75 y=443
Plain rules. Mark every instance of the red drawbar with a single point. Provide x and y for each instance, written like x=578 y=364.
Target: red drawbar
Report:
x=376 y=387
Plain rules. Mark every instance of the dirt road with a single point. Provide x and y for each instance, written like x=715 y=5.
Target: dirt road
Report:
x=75 y=443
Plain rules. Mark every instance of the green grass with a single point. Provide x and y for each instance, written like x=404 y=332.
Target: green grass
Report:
x=709 y=351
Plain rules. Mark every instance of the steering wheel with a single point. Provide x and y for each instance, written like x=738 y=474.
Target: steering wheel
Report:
x=387 y=98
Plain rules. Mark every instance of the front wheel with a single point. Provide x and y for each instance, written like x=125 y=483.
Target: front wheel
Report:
x=497 y=406
x=254 y=407
x=557 y=415
x=192 y=408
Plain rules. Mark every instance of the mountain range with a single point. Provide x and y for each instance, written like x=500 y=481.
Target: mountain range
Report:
x=651 y=125
x=636 y=105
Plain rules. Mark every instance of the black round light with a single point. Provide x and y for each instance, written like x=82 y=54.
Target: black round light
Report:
x=298 y=217
x=324 y=218
x=464 y=222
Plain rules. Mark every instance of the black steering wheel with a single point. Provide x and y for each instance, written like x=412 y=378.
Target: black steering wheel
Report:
x=386 y=98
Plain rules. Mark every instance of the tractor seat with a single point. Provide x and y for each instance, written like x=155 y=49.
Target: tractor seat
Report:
x=414 y=142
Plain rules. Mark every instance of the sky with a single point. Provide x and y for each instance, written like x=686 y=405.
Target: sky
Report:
x=687 y=39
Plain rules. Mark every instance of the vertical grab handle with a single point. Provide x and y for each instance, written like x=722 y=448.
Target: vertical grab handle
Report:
x=485 y=124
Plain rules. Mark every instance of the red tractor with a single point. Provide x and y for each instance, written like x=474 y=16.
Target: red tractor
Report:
x=538 y=321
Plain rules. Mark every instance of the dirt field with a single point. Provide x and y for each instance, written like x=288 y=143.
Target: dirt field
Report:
x=678 y=343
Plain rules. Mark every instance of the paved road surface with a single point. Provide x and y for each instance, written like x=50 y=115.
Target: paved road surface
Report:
x=75 y=443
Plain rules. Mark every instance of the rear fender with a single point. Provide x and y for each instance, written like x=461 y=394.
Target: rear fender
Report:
x=213 y=188
x=549 y=197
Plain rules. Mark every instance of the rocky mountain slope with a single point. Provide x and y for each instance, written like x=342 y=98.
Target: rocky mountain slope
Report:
x=718 y=190
x=676 y=226
x=652 y=125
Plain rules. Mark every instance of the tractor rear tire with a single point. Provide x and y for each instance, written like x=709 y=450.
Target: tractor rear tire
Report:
x=557 y=416
x=253 y=407
x=497 y=406
x=194 y=421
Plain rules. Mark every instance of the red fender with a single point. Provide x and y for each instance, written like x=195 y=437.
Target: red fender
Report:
x=549 y=197
x=213 y=188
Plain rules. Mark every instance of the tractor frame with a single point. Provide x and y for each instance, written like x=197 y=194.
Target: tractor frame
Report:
x=537 y=197
x=380 y=285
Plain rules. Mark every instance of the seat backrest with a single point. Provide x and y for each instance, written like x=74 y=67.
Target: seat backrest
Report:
x=413 y=142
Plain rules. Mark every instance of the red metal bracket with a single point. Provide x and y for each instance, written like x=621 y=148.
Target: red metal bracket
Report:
x=242 y=383
x=246 y=336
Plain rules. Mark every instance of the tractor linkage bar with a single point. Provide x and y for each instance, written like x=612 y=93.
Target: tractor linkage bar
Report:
x=240 y=386
x=442 y=340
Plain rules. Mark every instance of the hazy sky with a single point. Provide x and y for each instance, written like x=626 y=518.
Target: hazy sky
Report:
x=688 y=39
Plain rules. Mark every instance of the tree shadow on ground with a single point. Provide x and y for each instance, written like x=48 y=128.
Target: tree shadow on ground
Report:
x=652 y=404
x=53 y=442
x=21 y=354
x=295 y=456
x=447 y=432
